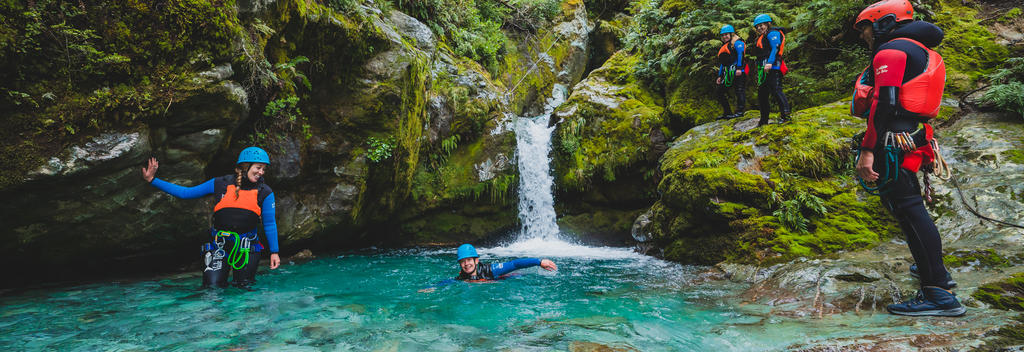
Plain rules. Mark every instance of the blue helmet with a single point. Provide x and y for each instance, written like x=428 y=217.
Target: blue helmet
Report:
x=727 y=29
x=253 y=155
x=762 y=18
x=467 y=251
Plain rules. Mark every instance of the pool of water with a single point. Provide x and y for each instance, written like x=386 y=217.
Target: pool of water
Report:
x=369 y=301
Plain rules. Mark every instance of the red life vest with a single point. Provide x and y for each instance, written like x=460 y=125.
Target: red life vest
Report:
x=920 y=96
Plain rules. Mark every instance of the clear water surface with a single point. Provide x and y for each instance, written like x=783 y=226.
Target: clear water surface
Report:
x=368 y=301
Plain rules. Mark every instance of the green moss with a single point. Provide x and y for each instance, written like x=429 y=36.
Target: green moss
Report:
x=712 y=186
x=596 y=139
x=1014 y=156
x=969 y=49
x=984 y=259
x=1007 y=294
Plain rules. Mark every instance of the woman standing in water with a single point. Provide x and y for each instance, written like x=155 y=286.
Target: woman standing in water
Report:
x=244 y=201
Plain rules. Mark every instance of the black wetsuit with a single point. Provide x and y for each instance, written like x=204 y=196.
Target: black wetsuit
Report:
x=730 y=57
x=894 y=63
x=769 y=48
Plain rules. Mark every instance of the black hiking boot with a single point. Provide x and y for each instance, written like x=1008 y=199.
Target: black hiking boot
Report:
x=930 y=300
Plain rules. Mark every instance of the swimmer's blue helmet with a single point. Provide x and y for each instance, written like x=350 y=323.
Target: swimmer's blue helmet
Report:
x=467 y=251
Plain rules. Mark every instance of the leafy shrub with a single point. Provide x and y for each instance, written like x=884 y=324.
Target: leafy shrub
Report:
x=1007 y=91
x=379 y=149
x=473 y=28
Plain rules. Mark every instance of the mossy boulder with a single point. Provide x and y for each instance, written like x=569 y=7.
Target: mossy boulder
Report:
x=609 y=124
x=732 y=191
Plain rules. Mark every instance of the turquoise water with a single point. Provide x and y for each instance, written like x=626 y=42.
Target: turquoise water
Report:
x=369 y=301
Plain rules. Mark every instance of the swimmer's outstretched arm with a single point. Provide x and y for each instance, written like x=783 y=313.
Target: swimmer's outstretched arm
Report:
x=500 y=269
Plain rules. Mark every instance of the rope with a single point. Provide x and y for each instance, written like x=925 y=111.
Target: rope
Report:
x=975 y=212
x=730 y=76
x=239 y=253
x=761 y=75
x=941 y=168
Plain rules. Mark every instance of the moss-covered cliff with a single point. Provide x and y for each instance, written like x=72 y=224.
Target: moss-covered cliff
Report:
x=383 y=128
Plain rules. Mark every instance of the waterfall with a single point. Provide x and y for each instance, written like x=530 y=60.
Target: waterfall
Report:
x=539 y=235
x=533 y=152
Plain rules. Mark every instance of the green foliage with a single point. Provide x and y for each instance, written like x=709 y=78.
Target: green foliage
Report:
x=473 y=28
x=288 y=69
x=1007 y=90
x=450 y=144
x=791 y=213
x=379 y=149
x=280 y=116
x=1011 y=15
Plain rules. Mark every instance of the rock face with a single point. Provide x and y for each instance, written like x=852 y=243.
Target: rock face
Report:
x=441 y=122
x=734 y=192
x=610 y=134
x=982 y=257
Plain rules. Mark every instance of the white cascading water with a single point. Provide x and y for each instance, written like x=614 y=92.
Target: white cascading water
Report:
x=533 y=152
x=539 y=234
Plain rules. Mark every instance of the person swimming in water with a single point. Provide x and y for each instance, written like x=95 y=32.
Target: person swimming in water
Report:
x=473 y=270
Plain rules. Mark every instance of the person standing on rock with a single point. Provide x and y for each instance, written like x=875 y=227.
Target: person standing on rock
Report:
x=769 y=47
x=899 y=92
x=472 y=270
x=244 y=201
x=731 y=73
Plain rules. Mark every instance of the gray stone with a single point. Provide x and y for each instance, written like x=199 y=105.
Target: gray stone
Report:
x=441 y=116
x=640 y=229
x=414 y=29
x=488 y=169
x=108 y=150
x=343 y=197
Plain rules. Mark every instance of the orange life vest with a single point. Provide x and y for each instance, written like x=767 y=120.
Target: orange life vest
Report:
x=763 y=48
x=247 y=199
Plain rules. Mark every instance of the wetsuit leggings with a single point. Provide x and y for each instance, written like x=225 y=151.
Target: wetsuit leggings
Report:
x=905 y=203
x=771 y=88
x=739 y=86
x=216 y=273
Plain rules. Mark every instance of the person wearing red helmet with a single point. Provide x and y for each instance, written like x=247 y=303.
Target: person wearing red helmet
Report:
x=244 y=202
x=898 y=93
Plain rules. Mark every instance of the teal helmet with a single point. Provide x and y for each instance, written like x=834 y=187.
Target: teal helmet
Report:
x=727 y=29
x=762 y=18
x=253 y=155
x=467 y=251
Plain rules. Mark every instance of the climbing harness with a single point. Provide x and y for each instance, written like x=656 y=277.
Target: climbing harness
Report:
x=730 y=76
x=894 y=143
x=237 y=258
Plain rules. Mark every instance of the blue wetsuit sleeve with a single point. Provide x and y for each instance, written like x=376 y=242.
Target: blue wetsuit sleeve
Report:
x=774 y=40
x=184 y=192
x=269 y=223
x=499 y=269
x=739 y=54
